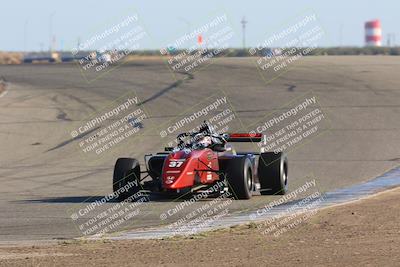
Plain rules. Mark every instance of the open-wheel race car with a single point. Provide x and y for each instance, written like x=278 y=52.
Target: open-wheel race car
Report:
x=199 y=161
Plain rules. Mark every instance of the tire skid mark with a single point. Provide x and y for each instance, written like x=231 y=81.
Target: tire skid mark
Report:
x=78 y=137
x=170 y=87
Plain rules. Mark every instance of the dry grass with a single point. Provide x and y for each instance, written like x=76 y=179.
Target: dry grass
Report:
x=10 y=58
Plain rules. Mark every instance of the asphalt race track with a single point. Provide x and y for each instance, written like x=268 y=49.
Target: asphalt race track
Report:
x=43 y=175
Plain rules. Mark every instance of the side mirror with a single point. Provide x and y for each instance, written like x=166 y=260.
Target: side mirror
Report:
x=168 y=148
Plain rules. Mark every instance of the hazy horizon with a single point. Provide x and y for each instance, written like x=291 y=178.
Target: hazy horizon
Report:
x=30 y=26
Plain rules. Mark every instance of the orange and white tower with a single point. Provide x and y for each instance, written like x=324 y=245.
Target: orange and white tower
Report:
x=373 y=33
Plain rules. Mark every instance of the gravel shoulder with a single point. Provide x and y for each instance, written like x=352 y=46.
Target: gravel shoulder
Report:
x=364 y=232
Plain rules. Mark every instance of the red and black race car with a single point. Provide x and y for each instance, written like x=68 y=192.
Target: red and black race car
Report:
x=199 y=161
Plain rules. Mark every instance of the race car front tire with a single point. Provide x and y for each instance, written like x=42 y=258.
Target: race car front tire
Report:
x=239 y=175
x=126 y=178
x=273 y=173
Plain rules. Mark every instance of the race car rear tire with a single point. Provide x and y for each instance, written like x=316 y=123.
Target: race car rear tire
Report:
x=126 y=178
x=273 y=173
x=239 y=175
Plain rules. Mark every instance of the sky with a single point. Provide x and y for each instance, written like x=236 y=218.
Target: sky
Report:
x=28 y=25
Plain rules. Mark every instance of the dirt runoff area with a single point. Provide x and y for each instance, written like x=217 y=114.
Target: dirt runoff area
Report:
x=10 y=57
x=362 y=233
x=2 y=86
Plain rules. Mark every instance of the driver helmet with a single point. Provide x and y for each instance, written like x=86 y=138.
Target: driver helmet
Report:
x=205 y=141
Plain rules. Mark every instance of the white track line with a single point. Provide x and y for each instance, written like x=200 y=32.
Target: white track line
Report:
x=4 y=93
x=340 y=196
x=5 y=88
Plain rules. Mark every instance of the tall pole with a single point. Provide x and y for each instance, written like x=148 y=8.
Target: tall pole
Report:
x=25 y=35
x=78 y=43
x=244 y=22
x=391 y=39
x=51 y=31
x=188 y=24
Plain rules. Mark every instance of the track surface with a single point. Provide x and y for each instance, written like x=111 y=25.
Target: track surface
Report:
x=42 y=174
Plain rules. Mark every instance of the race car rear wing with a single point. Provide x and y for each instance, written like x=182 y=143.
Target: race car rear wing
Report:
x=245 y=137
